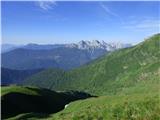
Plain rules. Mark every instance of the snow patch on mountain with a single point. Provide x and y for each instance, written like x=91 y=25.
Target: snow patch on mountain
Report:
x=95 y=44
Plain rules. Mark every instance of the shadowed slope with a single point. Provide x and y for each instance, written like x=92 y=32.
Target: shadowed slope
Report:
x=16 y=100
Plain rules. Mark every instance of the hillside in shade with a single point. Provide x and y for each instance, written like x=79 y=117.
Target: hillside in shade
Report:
x=17 y=100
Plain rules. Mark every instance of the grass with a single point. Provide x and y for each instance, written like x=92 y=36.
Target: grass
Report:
x=15 y=89
x=131 y=107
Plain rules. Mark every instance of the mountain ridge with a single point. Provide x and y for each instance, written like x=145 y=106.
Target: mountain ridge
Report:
x=89 y=44
x=101 y=75
x=65 y=57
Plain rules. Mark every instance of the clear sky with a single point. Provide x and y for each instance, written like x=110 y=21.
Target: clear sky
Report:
x=67 y=22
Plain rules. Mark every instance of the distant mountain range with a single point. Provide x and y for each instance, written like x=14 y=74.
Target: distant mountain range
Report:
x=63 y=56
x=9 y=47
x=94 y=44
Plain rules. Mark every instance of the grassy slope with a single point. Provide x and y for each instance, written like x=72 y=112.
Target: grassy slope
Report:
x=116 y=107
x=113 y=108
x=15 y=89
x=17 y=99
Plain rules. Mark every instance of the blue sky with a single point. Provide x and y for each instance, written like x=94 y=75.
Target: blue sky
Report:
x=66 y=22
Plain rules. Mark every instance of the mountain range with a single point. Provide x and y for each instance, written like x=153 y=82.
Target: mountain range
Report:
x=83 y=44
x=111 y=73
x=63 y=56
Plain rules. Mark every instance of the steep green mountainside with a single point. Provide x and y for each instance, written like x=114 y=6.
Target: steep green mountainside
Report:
x=17 y=100
x=110 y=74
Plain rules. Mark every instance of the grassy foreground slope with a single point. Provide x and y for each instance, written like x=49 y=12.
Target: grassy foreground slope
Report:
x=144 y=106
x=110 y=74
x=17 y=100
x=132 y=107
